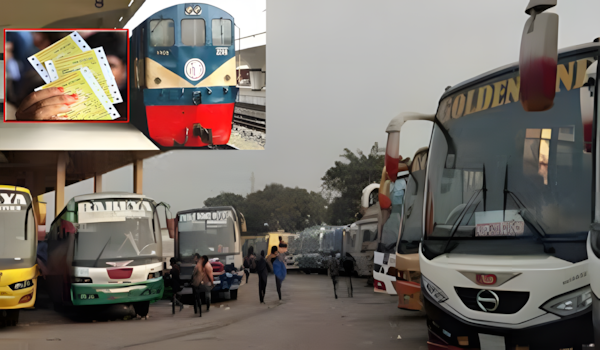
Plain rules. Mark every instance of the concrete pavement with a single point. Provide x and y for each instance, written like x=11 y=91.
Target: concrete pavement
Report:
x=308 y=317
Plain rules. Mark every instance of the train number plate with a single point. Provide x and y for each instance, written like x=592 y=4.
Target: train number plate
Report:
x=162 y=52
x=222 y=51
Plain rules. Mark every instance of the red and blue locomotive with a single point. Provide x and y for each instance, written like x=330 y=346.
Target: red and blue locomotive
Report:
x=183 y=76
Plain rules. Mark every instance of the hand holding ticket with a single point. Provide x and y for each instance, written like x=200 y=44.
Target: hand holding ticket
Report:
x=92 y=103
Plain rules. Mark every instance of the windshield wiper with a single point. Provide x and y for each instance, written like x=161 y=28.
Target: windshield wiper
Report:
x=523 y=211
x=160 y=20
x=462 y=215
x=102 y=251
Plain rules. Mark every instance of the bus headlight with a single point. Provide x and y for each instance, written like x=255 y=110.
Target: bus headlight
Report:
x=436 y=292
x=21 y=285
x=570 y=303
x=82 y=280
x=152 y=275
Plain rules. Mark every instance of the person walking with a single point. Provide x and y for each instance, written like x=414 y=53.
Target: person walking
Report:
x=273 y=259
x=249 y=262
x=262 y=269
x=348 y=264
x=334 y=271
x=202 y=281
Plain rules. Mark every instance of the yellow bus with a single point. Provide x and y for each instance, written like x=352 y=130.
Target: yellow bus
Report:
x=18 y=244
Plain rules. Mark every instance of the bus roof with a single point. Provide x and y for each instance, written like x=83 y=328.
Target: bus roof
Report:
x=513 y=67
x=109 y=195
x=15 y=188
x=206 y=209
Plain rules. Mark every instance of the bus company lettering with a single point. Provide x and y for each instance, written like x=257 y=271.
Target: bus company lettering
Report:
x=576 y=277
x=12 y=201
x=12 y=198
x=207 y=215
x=570 y=76
x=124 y=205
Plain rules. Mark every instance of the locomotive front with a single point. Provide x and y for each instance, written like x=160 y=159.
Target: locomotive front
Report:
x=186 y=71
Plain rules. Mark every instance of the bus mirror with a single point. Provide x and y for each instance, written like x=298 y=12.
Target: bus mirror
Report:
x=242 y=223
x=41 y=233
x=392 y=156
x=538 y=57
x=171 y=227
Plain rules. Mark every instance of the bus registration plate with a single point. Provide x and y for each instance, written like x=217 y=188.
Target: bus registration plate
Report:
x=88 y=296
x=496 y=229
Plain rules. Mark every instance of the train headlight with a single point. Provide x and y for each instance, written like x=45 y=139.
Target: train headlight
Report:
x=188 y=10
x=570 y=303
x=197 y=9
x=21 y=285
x=436 y=292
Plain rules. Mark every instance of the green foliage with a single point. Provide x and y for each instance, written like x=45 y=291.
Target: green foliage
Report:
x=343 y=183
x=289 y=209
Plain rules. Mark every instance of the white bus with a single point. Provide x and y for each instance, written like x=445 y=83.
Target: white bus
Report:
x=106 y=248
x=508 y=203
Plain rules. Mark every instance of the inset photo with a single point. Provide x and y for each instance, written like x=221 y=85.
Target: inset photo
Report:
x=197 y=74
x=74 y=75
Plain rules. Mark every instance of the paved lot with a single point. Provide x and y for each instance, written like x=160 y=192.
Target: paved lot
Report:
x=308 y=317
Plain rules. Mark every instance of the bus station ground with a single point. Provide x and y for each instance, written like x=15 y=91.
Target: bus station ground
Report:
x=308 y=317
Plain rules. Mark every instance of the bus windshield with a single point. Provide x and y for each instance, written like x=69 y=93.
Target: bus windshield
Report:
x=98 y=244
x=206 y=233
x=16 y=250
x=512 y=173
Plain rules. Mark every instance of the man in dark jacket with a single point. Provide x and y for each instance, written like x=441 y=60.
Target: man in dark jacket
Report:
x=262 y=269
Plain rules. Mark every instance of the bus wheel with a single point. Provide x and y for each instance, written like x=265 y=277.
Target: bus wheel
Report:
x=141 y=308
x=233 y=294
x=11 y=319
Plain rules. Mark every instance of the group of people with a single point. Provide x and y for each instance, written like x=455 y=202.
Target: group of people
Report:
x=274 y=262
x=202 y=279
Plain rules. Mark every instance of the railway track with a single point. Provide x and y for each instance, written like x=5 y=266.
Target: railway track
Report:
x=250 y=122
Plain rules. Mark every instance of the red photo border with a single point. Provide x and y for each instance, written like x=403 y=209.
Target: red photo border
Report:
x=62 y=30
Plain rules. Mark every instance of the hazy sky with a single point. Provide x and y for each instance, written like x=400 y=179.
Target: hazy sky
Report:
x=337 y=72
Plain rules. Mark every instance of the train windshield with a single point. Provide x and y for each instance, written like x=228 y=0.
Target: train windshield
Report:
x=162 y=32
x=512 y=174
x=17 y=230
x=193 y=32
x=104 y=237
x=206 y=233
x=222 y=32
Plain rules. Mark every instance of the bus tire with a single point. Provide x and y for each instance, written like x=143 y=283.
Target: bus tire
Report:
x=12 y=318
x=233 y=294
x=141 y=308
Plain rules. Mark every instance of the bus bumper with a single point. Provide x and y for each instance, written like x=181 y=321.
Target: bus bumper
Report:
x=20 y=298
x=449 y=332
x=113 y=293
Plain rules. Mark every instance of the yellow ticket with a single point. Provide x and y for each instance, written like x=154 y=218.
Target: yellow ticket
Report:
x=93 y=104
x=70 y=45
x=96 y=61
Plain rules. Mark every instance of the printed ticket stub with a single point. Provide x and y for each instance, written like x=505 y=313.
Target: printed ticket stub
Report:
x=95 y=60
x=93 y=104
x=70 y=45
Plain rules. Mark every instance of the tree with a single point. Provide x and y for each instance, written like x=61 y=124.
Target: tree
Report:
x=343 y=183
x=225 y=199
x=290 y=209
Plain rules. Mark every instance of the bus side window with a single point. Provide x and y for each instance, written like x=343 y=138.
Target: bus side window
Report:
x=221 y=32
